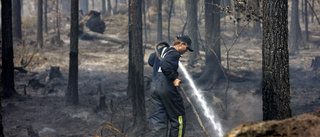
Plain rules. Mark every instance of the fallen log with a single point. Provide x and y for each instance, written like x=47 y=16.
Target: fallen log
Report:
x=87 y=34
x=20 y=69
x=92 y=27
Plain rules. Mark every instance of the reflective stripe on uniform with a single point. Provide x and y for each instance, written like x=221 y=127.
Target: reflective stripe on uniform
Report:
x=180 y=126
x=162 y=56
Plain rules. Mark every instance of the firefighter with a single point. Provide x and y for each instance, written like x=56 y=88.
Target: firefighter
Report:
x=166 y=104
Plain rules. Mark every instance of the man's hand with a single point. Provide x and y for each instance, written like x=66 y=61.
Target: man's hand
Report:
x=177 y=82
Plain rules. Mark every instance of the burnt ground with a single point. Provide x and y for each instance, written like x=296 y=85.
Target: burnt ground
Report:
x=43 y=110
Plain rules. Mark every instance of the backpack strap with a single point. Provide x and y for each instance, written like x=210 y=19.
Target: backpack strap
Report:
x=163 y=54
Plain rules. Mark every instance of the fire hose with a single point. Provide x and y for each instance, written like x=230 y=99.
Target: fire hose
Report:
x=182 y=89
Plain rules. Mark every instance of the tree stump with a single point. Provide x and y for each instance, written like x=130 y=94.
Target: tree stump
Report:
x=54 y=73
x=315 y=66
x=32 y=132
x=102 y=102
x=92 y=27
x=25 y=89
x=315 y=63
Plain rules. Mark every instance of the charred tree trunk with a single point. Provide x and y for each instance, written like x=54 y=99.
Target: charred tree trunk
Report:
x=57 y=23
x=46 y=16
x=213 y=70
x=294 y=26
x=1 y=126
x=72 y=91
x=129 y=92
x=103 y=7
x=39 y=27
x=159 y=31
x=275 y=61
x=16 y=20
x=136 y=78
x=193 y=30
x=169 y=18
x=7 y=74
x=216 y=35
x=306 y=20
x=144 y=21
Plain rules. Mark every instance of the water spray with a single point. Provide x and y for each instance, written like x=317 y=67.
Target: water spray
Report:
x=207 y=112
x=194 y=111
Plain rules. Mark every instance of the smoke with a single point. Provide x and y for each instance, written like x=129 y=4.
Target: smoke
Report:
x=243 y=107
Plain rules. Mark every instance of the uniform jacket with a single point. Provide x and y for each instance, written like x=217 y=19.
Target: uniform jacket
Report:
x=169 y=63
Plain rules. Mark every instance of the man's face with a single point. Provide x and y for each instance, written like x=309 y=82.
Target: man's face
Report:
x=183 y=48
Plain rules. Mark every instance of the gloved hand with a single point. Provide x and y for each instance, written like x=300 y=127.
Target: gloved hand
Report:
x=177 y=82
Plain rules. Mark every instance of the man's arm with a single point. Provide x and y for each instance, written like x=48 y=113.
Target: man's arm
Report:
x=169 y=65
x=151 y=59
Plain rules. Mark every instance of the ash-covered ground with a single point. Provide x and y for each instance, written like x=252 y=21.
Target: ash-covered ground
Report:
x=103 y=66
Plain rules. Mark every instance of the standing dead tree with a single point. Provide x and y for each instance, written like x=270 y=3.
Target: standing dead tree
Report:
x=135 y=72
x=7 y=74
x=39 y=26
x=46 y=16
x=192 y=30
x=72 y=97
x=58 y=39
x=16 y=20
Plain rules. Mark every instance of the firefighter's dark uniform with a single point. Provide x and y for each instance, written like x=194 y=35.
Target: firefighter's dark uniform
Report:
x=166 y=102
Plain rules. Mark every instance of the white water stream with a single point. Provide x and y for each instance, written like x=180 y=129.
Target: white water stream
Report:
x=210 y=115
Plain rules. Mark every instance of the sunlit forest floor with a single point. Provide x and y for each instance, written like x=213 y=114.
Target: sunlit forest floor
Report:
x=104 y=65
